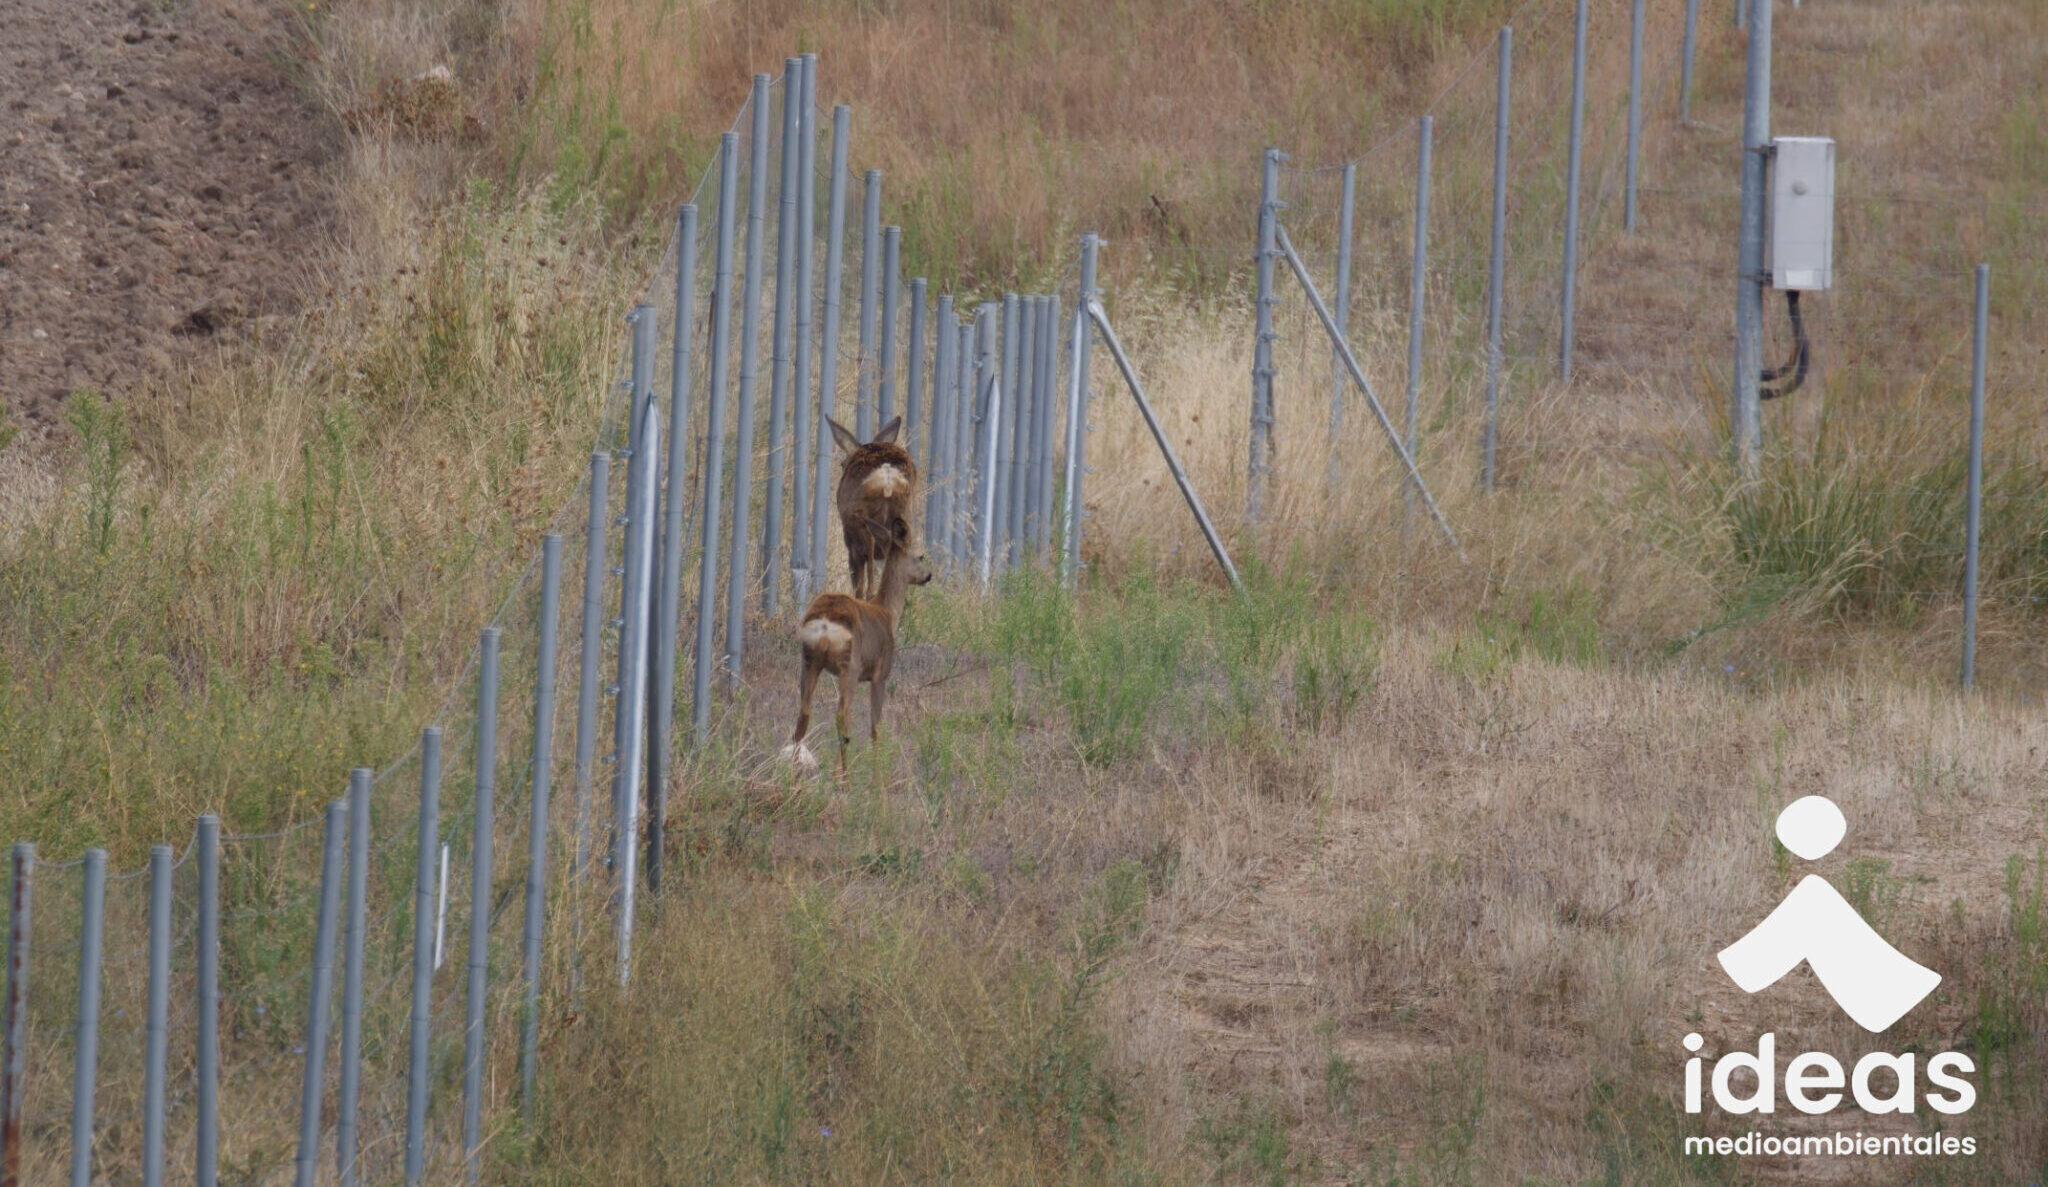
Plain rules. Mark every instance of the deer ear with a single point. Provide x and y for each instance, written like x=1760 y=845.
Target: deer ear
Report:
x=845 y=440
x=899 y=531
x=888 y=434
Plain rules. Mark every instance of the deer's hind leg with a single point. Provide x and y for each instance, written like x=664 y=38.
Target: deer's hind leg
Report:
x=844 y=717
x=807 y=685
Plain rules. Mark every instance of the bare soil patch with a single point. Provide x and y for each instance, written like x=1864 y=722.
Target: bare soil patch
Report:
x=160 y=180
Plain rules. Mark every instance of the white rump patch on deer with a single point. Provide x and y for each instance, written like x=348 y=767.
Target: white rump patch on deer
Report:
x=885 y=483
x=822 y=634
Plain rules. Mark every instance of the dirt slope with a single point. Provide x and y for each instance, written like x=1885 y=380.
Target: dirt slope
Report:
x=159 y=178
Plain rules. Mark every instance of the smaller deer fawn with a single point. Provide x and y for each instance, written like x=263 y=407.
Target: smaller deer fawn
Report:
x=876 y=483
x=854 y=640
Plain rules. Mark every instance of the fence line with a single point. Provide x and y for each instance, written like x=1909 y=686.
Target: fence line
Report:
x=265 y=916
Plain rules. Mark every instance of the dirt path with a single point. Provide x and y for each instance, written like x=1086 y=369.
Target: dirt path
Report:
x=159 y=179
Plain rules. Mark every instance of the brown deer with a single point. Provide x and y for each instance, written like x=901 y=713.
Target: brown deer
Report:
x=855 y=640
x=876 y=483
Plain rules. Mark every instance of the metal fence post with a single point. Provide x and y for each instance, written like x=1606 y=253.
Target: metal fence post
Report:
x=681 y=343
x=1071 y=506
x=349 y=1100
x=1568 y=303
x=870 y=279
x=991 y=417
x=480 y=886
x=714 y=439
x=423 y=926
x=320 y=1002
x=156 y=1033
x=633 y=749
x=1041 y=429
x=804 y=580
x=1346 y=216
x=778 y=371
x=1635 y=113
x=85 y=1069
x=593 y=644
x=206 y=1071
x=1262 y=351
x=1180 y=475
x=885 y=387
x=913 y=367
x=14 y=1060
x=1418 y=296
x=1685 y=56
x=743 y=420
x=1496 y=252
x=828 y=347
x=1745 y=418
x=537 y=826
x=1974 y=512
x=961 y=499
x=669 y=620
x=641 y=465
x=1023 y=377
x=938 y=428
x=1005 y=463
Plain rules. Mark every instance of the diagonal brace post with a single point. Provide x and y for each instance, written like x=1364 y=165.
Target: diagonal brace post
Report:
x=1350 y=361
x=1180 y=476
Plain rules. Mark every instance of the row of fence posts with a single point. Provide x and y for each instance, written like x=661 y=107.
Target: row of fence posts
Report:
x=989 y=501
x=1263 y=446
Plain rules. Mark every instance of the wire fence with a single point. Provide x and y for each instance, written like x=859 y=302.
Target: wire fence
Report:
x=401 y=979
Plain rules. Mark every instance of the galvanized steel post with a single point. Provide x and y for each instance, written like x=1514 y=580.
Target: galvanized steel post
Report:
x=1496 y=251
x=1180 y=475
x=743 y=421
x=1635 y=113
x=420 y=1031
x=961 y=499
x=593 y=645
x=913 y=367
x=1418 y=295
x=484 y=819
x=1746 y=416
x=714 y=440
x=1006 y=424
x=668 y=620
x=779 y=366
x=639 y=461
x=870 y=278
x=885 y=399
x=804 y=580
x=1569 y=298
x=1023 y=378
x=1262 y=351
x=634 y=646
x=1071 y=507
x=1973 y=513
x=828 y=347
x=938 y=429
x=537 y=817
x=156 y=1037
x=319 y=1003
x=206 y=1070
x=991 y=419
x=349 y=1101
x=1347 y=207
x=14 y=1059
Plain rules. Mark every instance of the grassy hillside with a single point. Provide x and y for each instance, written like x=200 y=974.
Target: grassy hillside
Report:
x=1400 y=871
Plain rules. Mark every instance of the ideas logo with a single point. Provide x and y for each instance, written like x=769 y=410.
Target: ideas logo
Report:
x=1874 y=983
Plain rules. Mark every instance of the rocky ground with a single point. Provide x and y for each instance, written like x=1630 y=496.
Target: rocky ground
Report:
x=160 y=176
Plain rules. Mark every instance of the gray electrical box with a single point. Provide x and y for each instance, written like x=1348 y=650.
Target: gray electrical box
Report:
x=1802 y=212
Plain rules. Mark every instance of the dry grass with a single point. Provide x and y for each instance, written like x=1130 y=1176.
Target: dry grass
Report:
x=1406 y=870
